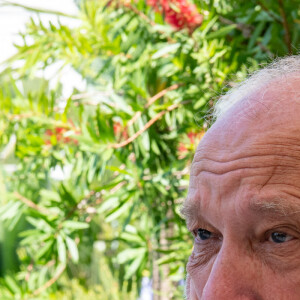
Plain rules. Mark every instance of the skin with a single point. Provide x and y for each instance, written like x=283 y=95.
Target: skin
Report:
x=244 y=190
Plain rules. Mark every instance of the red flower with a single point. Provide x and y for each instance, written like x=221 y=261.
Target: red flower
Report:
x=117 y=128
x=60 y=130
x=49 y=132
x=190 y=146
x=181 y=148
x=120 y=131
x=178 y=13
x=59 y=133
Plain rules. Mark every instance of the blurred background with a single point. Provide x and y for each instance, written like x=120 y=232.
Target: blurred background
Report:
x=102 y=104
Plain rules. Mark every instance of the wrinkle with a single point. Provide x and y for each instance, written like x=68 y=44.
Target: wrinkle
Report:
x=240 y=158
x=240 y=169
x=226 y=164
x=297 y=196
x=270 y=177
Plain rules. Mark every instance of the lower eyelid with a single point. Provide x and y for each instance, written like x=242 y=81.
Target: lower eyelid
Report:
x=206 y=247
x=214 y=237
x=196 y=260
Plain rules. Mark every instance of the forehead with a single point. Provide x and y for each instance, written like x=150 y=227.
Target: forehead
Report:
x=265 y=123
x=248 y=154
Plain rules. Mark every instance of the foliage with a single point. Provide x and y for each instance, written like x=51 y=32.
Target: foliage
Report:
x=123 y=145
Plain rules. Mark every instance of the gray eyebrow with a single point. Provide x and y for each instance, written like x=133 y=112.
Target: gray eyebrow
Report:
x=190 y=211
x=279 y=207
x=187 y=210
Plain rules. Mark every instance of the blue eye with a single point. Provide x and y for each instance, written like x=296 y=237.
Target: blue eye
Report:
x=280 y=237
x=203 y=234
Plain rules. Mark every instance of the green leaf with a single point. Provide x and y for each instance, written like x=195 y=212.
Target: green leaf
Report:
x=43 y=250
x=50 y=195
x=12 y=285
x=9 y=210
x=221 y=32
x=61 y=249
x=135 y=265
x=170 y=48
x=132 y=238
x=129 y=254
x=40 y=224
x=72 y=247
x=75 y=225
x=118 y=211
x=258 y=30
x=67 y=195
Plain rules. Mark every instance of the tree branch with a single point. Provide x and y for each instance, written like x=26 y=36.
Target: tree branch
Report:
x=32 y=205
x=269 y=12
x=148 y=124
x=147 y=20
x=51 y=281
x=162 y=93
x=118 y=186
x=247 y=31
x=152 y=100
x=287 y=36
x=140 y=14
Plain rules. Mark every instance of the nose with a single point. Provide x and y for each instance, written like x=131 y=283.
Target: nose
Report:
x=232 y=276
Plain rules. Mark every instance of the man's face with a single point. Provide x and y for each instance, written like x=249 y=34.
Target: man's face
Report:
x=243 y=206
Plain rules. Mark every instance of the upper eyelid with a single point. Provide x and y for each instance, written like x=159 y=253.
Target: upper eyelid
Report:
x=283 y=229
x=202 y=224
x=279 y=230
x=214 y=234
x=207 y=227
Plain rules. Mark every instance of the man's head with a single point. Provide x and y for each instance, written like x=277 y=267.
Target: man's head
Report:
x=243 y=204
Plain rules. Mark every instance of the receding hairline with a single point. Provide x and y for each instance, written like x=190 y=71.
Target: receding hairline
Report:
x=279 y=70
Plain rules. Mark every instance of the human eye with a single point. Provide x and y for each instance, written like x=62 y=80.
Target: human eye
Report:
x=279 y=237
x=203 y=234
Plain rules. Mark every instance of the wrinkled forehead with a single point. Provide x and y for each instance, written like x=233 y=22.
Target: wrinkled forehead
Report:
x=253 y=145
x=272 y=110
x=267 y=123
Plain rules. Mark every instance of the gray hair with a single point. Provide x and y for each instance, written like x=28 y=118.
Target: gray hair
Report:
x=279 y=69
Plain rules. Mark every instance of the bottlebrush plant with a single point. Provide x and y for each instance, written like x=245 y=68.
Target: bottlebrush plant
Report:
x=178 y=13
x=122 y=144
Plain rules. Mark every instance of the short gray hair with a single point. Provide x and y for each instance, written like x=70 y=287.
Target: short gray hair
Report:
x=278 y=69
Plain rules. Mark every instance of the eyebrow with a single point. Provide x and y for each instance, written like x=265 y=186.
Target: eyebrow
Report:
x=276 y=207
x=191 y=211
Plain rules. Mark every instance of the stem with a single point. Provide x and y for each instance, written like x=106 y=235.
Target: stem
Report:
x=247 y=31
x=141 y=14
x=31 y=204
x=161 y=94
x=287 y=36
x=51 y=281
x=148 y=124
x=269 y=12
x=147 y=20
x=152 y=100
